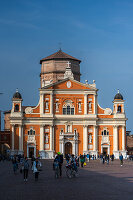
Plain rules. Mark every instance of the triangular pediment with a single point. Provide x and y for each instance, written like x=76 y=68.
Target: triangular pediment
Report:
x=69 y=84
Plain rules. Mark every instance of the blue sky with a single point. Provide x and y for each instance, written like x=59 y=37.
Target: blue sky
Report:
x=99 y=32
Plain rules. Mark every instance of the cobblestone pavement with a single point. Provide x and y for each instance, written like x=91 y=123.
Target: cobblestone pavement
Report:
x=95 y=182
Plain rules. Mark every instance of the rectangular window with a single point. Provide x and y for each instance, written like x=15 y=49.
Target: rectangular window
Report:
x=72 y=111
x=64 y=111
x=68 y=110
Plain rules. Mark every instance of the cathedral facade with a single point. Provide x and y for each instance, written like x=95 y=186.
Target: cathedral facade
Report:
x=68 y=117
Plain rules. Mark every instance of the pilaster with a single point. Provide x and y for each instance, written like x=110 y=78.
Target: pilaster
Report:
x=85 y=104
x=95 y=139
x=85 y=138
x=42 y=137
x=51 y=103
x=13 y=130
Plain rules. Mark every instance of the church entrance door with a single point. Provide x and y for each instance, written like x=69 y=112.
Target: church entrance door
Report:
x=68 y=148
x=105 y=151
x=31 y=152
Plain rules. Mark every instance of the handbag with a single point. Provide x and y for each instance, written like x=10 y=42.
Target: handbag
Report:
x=84 y=163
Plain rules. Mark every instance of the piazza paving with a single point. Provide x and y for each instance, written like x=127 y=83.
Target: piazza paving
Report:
x=95 y=182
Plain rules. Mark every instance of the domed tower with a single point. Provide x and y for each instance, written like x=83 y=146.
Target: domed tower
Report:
x=16 y=104
x=54 y=66
x=118 y=104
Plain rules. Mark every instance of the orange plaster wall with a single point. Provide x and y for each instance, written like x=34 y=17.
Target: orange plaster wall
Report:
x=110 y=129
x=30 y=115
x=105 y=116
x=26 y=128
x=74 y=85
x=100 y=110
x=120 y=138
x=79 y=128
x=37 y=109
x=57 y=129
x=80 y=134
x=73 y=97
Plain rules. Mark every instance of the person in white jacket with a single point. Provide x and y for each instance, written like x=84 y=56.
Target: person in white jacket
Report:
x=35 y=169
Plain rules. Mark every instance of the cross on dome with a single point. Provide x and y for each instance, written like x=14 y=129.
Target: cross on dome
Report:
x=68 y=63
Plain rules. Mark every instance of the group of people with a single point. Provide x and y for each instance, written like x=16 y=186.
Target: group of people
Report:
x=23 y=165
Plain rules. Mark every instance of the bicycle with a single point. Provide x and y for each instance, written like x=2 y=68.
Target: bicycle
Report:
x=56 y=169
x=71 y=172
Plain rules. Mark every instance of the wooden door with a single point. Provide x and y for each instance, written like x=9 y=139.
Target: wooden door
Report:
x=68 y=148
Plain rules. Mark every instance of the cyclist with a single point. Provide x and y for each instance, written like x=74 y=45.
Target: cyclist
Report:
x=74 y=163
x=58 y=160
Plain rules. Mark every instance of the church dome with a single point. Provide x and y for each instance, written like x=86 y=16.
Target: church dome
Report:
x=17 y=95
x=118 y=96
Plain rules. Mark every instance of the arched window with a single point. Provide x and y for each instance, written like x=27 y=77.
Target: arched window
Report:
x=105 y=132
x=68 y=110
x=119 y=109
x=31 y=132
x=16 y=108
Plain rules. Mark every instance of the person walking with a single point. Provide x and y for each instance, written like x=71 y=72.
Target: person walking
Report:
x=15 y=164
x=82 y=160
x=59 y=159
x=121 y=160
x=26 y=169
x=35 y=169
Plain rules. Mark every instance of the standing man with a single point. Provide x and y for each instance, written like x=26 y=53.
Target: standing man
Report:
x=26 y=169
x=59 y=158
x=121 y=159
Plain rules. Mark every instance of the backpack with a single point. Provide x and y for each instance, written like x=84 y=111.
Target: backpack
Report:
x=26 y=165
x=61 y=159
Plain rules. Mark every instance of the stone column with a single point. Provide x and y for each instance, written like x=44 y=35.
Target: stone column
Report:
x=13 y=130
x=41 y=103
x=94 y=104
x=85 y=104
x=51 y=103
x=62 y=147
x=53 y=147
x=115 y=138
x=42 y=138
x=123 y=138
x=85 y=138
x=95 y=139
x=20 y=137
x=51 y=138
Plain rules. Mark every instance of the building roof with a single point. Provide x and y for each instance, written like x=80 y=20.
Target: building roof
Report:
x=118 y=96
x=17 y=95
x=59 y=55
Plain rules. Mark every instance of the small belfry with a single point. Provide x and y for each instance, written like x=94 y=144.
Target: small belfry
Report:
x=68 y=118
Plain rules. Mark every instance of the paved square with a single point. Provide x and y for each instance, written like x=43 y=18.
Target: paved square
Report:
x=95 y=182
